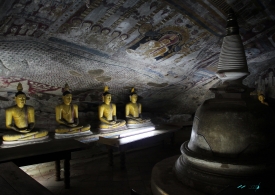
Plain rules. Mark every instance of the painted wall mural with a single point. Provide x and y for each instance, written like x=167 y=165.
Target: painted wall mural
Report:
x=168 y=50
x=29 y=86
x=161 y=45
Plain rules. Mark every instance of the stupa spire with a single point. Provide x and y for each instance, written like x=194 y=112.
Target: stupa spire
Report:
x=232 y=64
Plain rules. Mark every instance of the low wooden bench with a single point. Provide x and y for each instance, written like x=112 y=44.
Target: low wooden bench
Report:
x=14 y=181
x=54 y=150
x=127 y=142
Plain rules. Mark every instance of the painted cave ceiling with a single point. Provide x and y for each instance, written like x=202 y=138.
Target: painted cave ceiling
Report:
x=167 y=50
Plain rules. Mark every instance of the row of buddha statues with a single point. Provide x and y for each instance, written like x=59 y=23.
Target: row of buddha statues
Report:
x=21 y=117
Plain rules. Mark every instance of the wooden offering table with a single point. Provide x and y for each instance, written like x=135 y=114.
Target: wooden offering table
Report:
x=14 y=181
x=54 y=150
x=133 y=140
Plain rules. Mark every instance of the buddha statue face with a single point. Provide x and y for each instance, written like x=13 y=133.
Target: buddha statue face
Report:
x=20 y=100
x=115 y=34
x=105 y=31
x=67 y=99
x=95 y=28
x=123 y=37
x=76 y=23
x=107 y=98
x=133 y=98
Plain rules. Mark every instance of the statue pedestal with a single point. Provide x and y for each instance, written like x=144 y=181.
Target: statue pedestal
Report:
x=164 y=181
x=140 y=125
x=72 y=135
x=10 y=144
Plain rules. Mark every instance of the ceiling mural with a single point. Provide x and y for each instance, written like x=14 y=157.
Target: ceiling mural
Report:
x=168 y=50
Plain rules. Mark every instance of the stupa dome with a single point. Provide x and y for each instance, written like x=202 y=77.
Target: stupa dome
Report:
x=232 y=128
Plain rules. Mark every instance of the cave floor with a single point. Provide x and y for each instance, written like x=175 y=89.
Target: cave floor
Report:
x=95 y=176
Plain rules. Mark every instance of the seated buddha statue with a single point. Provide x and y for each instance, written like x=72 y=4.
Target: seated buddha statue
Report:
x=107 y=115
x=133 y=112
x=20 y=118
x=67 y=116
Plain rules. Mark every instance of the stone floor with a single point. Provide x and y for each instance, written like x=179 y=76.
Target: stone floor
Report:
x=95 y=176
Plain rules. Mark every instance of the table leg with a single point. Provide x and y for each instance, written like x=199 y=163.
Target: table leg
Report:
x=110 y=153
x=57 y=170
x=67 y=173
x=122 y=160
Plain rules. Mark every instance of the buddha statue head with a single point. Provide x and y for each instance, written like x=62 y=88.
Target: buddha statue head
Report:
x=105 y=31
x=67 y=95
x=20 y=97
x=133 y=96
x=95 y=28
x=106 y=96
x=261 y=98
x=123 y=37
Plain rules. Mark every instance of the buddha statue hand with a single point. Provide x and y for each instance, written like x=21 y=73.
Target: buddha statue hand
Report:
x=133 y=118
x=112 y=122
x=27 y=130
x=136 y=120
x=146 y=120
x=74 y=124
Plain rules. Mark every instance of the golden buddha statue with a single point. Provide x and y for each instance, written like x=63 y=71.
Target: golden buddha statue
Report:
x=107 y=115
x=21 y=119
x=261 y=98
x=133 y=113
x=67 y=116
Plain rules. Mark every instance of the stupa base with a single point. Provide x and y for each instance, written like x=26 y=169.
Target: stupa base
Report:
x=214 y=175
x=165 y=182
